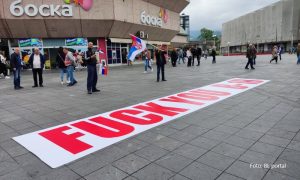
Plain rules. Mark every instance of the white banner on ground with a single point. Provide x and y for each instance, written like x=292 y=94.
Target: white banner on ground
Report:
x=63 y=144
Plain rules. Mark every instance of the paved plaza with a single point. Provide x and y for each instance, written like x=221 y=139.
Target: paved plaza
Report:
x=224 y=141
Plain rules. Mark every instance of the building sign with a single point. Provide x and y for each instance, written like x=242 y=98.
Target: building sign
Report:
x=59 y=145
x=155 y=21
x=77 y=42
x=46 y=10
x=30 y=42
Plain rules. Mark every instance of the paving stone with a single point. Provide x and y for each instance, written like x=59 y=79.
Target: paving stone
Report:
x=18 y=174
x=273 y=175
x=111 y=154
x=107 y=172
x=154 y=172
x=4 y=156
x=87 y=165
x=291 y=155
x=7 y=167
x=32 y=165
x=168 y=143
x=205 y=143
x=13 y=148
x=200 y=172
x=62 y=173
x=190 y=151
x=243 y=170
x=240 y=142
x=215 y=135
x=226 y=176
x=294 y=145
x=216 y=161
x=131 y=145
x=173 y=162
x=249 y=134
x=228 y=150
x=166 y=131
x=183 y=136
x=130 y=178
x=275 y=141
x=179 y=177
x=267 y=149
x=292 y=169
x=281 y=133
x=131 y=163
x=227 y=129
x=151 y=152
x=257 y=158
x=196 y=130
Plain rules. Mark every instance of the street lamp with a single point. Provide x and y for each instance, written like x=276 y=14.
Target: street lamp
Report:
x=228 y=43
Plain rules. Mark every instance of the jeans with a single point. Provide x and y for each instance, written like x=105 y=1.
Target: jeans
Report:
x=92 y=77
x=17 y=77
x=70 y=70
x=147 y=65
x=64 y=71
x=179 y=58
x=298 y=62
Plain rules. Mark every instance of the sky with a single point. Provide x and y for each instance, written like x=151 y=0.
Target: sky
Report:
x=213 y=13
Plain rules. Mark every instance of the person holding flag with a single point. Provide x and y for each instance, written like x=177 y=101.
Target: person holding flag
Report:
x=138 y=46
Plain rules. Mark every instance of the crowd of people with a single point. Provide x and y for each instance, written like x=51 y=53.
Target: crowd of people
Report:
x=67 y=62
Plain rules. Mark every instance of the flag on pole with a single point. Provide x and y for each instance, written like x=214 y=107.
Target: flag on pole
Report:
x=138 y=46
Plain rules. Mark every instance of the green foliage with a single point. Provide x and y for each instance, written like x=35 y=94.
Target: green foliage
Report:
x=206 y=34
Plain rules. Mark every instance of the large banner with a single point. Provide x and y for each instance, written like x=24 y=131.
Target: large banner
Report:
x=63 y=144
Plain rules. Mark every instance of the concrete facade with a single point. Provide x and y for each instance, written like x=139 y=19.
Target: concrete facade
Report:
x=277 y=23
x=107 y=18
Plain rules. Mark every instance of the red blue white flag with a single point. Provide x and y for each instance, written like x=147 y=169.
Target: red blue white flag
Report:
x=138 y=46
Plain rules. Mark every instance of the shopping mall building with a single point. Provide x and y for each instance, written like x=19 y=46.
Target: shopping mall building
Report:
x=277 y=24
x=49 y=24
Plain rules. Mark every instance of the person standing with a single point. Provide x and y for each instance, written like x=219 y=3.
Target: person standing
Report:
x=199 y=55
x=255 y=55
x=70 y=64
x=180 y=56
x=174 y=57
x=189 y=56
x=37 y=62
x=160 y=62
x=60 y=60
x=298 y=53
x=280 y=52
x=3 y=67
x=146 y=58
x=274 y=55
x=214 y=54
x=92 y=77
x=194 y=55
x=250 y=55
x=16 y=65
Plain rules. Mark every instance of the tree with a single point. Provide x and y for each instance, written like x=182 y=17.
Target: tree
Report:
x=206 y=34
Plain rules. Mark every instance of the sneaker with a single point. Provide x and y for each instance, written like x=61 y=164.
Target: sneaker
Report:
x=145 y=72
x=62 y=82
x=152 y=70
x=68 y=82
x=7 y=77
x=90 y=92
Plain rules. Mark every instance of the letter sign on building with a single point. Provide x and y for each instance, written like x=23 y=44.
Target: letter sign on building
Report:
x=44 y=10
x=151 y=20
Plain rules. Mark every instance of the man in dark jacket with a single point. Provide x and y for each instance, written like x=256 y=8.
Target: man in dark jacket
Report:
x=37 y=62
x=194 y=53
x=199 y=54
x=91 y=61
x=160 y=62
x=214 y=54
x=174 y=57
x=250 y=55
x=16 y=65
